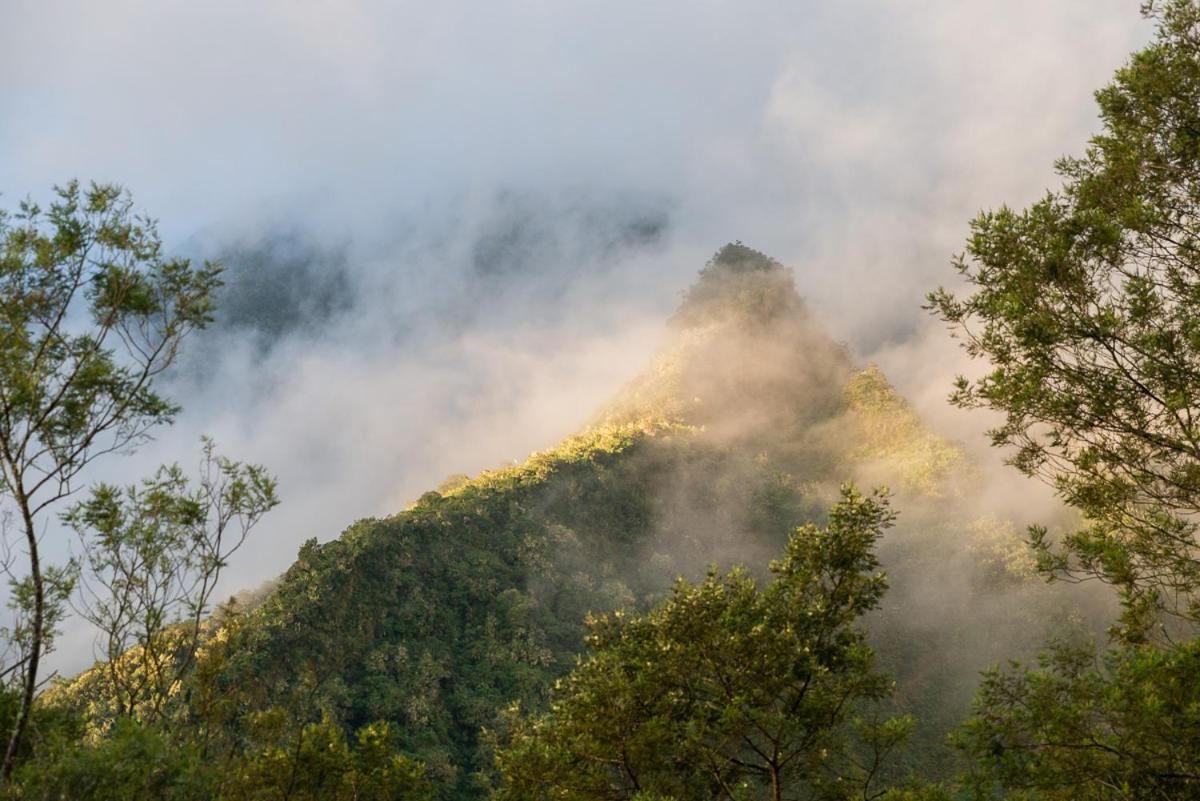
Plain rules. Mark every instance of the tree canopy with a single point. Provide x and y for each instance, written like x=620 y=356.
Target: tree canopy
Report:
x=726 y=691
x=91 y=313
x=1084 y=307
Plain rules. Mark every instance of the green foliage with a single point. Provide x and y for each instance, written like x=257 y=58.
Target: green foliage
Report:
x=133 y=760
x=919 y=792
x=278 y=761
x=1126 y=726
x=1084 y=306
x=317 y=764
x=50 y=724
x=886 y=430
x=213 y=746
x=725 y=691
x=50 y=591
x=153 y=554
x=62 y=388
x=90 y=314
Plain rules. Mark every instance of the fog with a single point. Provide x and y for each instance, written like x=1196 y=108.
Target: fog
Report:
x=453 y=230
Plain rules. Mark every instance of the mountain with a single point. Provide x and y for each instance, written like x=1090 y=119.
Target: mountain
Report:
x=441 y=616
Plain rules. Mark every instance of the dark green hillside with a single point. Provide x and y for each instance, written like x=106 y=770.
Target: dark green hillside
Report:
x=439 y=617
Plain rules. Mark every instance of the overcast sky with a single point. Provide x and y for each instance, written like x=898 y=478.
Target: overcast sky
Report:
x=513 y=196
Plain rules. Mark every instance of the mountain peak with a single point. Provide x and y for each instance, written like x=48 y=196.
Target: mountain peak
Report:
x=739 y=284
x=738 y=258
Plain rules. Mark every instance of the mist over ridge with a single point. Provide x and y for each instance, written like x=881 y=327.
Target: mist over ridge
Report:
x=452 y=232
x=743 y=426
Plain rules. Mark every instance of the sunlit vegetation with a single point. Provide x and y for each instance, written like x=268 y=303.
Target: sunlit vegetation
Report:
x=885 y=429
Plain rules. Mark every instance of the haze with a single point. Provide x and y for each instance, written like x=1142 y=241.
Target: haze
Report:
x=454 y=229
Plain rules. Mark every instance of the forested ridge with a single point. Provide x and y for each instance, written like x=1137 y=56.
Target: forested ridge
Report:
x=439 y=618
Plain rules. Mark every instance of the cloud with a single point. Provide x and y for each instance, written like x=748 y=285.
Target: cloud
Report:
x=492 y=207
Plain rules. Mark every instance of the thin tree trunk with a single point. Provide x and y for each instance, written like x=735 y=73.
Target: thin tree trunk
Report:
x=37 y=623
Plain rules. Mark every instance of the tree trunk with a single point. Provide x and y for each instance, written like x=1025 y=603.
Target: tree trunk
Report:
x=37 y=623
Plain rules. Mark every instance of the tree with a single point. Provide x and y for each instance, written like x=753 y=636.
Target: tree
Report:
x=1123 y=727
x=315 y=763
x=726 y=691
x=152 y=557
x=91 y=313
x=1085 y=308
x=132 y=760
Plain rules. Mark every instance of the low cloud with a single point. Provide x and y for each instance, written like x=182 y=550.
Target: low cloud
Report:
x=454 y=229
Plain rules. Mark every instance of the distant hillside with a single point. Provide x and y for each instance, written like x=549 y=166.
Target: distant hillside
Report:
x=440 y=616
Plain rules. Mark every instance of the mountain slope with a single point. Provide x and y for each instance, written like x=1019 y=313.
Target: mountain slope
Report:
x=439 y=617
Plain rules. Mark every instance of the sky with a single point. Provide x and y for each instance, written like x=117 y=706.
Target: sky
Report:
x=453 y=229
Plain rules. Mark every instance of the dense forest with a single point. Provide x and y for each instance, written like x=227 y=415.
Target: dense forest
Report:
x=754 y=573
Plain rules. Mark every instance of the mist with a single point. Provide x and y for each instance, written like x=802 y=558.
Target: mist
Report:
x=453 y=230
